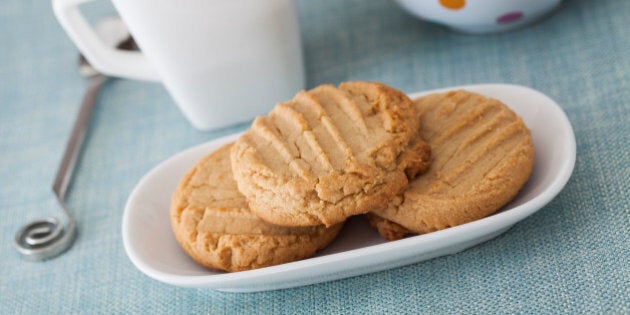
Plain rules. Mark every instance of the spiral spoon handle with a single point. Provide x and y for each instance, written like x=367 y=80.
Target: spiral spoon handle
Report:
x=46 y=238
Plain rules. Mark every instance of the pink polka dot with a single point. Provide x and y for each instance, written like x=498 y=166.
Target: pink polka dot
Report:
x=510 y=17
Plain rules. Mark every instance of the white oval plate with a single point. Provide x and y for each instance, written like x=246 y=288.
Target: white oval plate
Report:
x=152 y=248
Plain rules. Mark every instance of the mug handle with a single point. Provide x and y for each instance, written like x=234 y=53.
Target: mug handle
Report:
x=107 y=60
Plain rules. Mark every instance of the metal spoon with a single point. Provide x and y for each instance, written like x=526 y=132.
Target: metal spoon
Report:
x=46 y=238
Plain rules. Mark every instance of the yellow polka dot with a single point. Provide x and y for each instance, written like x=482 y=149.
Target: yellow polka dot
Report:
x=453 y=4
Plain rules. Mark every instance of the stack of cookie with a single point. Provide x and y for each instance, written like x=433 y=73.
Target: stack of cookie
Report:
x=283 y=190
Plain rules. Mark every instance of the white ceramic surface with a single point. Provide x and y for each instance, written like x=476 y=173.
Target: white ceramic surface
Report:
x=152 y=248
x=480 y=16
x=204 y=52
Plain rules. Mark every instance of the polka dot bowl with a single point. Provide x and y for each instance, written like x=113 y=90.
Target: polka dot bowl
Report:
x=480 y=16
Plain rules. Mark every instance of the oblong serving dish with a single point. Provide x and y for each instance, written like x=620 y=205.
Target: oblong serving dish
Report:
x=152 y=248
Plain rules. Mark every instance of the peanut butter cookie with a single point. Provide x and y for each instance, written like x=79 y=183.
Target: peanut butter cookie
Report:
x=213 y=224
x=482 y=154
x=329 y=153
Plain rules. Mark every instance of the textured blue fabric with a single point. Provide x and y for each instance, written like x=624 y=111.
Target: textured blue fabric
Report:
x=571 y=257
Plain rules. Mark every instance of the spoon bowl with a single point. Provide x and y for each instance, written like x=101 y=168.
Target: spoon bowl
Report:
x=151 y=246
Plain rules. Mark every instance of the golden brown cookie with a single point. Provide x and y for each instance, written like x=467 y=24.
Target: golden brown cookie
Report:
x=329 y=153
x=213 y=224
x=482 y=154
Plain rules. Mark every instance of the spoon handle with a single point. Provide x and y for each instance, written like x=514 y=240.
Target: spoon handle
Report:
x=75 y=141
x=45 y=238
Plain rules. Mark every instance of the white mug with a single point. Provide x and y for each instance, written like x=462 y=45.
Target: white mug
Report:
x=222 y=61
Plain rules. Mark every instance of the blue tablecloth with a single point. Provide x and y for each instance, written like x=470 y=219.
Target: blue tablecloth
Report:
x=571 y=257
